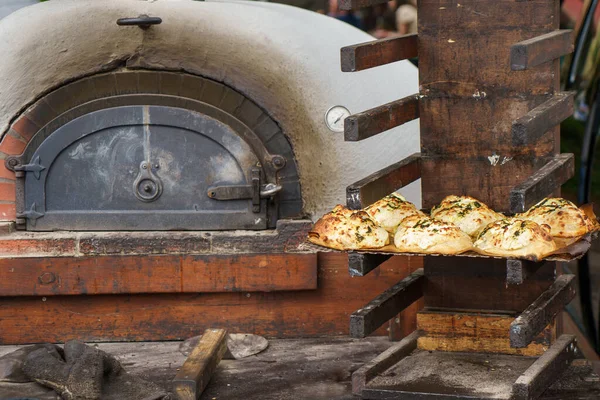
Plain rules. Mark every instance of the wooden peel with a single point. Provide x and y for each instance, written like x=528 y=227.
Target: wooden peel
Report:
x=194 y=375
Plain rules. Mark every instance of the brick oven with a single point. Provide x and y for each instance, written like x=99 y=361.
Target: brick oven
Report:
x=159 y=174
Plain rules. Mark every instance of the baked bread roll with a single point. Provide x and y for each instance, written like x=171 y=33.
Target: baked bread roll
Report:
x=466 y=212
x=563 y=217
x=345 y=229
x=514 y=237
x=391 y=210
x=419 y=234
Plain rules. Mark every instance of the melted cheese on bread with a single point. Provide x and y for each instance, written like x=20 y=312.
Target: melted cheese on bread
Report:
x=391 y=210
x=563 y=217
x=344 y=229
x=419 y=234
x=466 y=212
x=514 y=237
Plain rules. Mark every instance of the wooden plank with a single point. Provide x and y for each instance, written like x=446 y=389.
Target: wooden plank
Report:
x=157 y=274
x=474 y=332
x=541 y=49
x=518 y=271
x=467 y=284
x=541 y=312
x=380 y=119
x=148 y=317
x=533 y=125
x=382 y=362
x=196 y=371
x=356 y=4
x=546 y=369
x=381 y=183
x=385 y=306
x=360 y=264
x=374 y=53
x=542 y=183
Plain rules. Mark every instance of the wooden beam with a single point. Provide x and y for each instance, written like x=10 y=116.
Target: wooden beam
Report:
x=360 y=264
x=380 y=119
x=542 y=183
x=533 y=125
x=545 y=370
x=541 y=49
x=385 y=306
x=542 y=311
x=194 y=375
x=382 y=362
x=518 y=271
x=371 y=54
x=381 y=183
x=157 y=274
x=474 y=332
x=356 y=4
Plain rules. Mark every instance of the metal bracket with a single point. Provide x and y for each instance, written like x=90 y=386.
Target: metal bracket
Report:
x=36 y=167
x=255 y=191
x=32 y=214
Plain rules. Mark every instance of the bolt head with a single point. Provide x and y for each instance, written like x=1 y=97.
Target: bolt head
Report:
x=13 y=162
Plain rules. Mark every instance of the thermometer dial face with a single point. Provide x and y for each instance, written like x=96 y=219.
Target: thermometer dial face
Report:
x=335 y=116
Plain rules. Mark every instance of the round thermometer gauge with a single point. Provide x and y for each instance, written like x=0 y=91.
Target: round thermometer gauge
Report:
x=335 y=116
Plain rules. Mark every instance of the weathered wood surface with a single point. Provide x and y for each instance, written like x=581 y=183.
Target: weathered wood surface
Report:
x=198 y=368
x=321 y=312
x=541 y=49
x=381 y=309
x=533 y=125
x=371 y=54
x=382 y=362
x=157 y=274
x=479 y=284
x=288 y=235
x=369 y=123
x=381 y=183
x=546 y=369
x=518 y=271
x=318 y=368
x=541 y=312
x=542 y=183
x=470 y=96
x=356 y=4
x=360 y=264
x=475 y=332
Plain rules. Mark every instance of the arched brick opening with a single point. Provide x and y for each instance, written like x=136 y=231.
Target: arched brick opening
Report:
x=83 y=96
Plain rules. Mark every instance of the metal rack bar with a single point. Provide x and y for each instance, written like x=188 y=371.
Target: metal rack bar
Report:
x=360 y=264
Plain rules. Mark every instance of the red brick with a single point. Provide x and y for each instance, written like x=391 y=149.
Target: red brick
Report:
x=8 y=212
x=7 y=191
x=25 y=127
x=5 y=172
x=11 y=145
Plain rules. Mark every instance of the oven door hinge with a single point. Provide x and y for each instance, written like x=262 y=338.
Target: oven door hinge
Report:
x=255 y=191
x=36 y=167
x=32 y=215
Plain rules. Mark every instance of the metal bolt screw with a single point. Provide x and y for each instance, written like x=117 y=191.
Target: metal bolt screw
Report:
x=147 y=188
x=144 y=166
x=156 y=166
x=47 y=278
x=278 y=161
x=13 y=162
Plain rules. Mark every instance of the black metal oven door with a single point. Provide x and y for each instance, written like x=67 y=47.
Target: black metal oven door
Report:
x=145 y=168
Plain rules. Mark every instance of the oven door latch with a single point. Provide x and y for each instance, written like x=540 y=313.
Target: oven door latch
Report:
x=256 y=191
